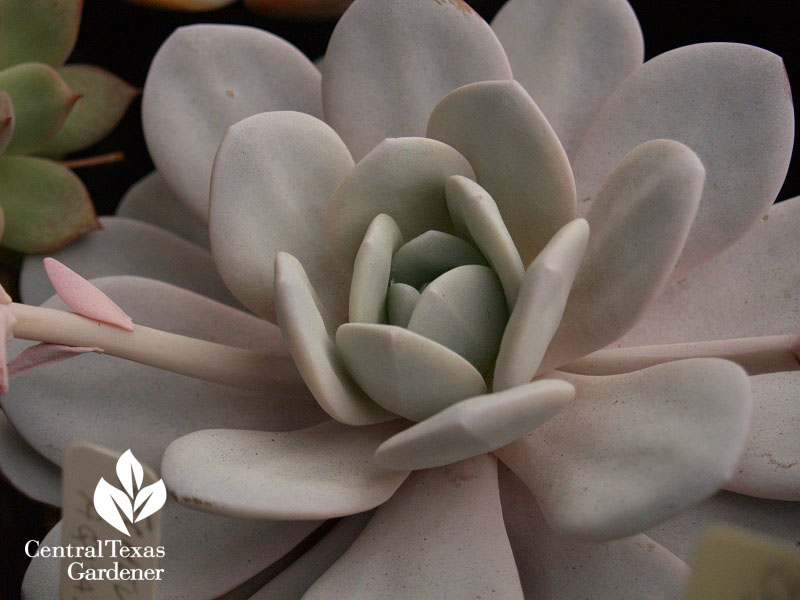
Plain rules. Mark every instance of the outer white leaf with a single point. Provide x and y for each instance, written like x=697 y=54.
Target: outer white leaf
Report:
x=109 y=501
x=273 y=175
x=151 y=201
x=374 y=86
x=129 y=470
x=633 y=450
x=570 y=55
x=152 y=497
x=205 y=78
x=729 y=103
x=440 y=536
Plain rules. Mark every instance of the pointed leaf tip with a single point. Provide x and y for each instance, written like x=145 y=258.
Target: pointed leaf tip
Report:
x=44 y=354
x=83 y=297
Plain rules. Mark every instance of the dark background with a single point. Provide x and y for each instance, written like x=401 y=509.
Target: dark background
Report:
x=123 y=38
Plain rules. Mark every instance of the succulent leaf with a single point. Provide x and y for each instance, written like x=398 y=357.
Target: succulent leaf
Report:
x=42 y=101
x=105 y=99
x=45 y=204
x=38 y=30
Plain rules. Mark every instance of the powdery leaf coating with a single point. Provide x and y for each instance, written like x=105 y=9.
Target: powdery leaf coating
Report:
x=475 y=426
x=122 y=404
x=570 y=55
x=403 y=178
x=319 y=472
x=205 y=78
x=638 y=222
x=554 y=567
x=273 y=175
x=632 y=450
x=406 y=373
x=130 y=247
x=239 y=549
x=151 y=201
x=308 y=332
x=516 y=156
x=440 y=536
x=431 y=254
x=28 y=471
x=372 y=271
x=729 y=103
x=751 y=289
x=83 y=297
x=373 y=87
x=540 y=306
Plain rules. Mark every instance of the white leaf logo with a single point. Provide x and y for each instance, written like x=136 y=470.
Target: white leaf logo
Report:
x=112 y=503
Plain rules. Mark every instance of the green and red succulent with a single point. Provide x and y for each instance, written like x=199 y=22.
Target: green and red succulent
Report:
x=47 y=111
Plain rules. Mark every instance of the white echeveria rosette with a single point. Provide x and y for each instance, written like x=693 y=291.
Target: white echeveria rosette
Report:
x=587 y=132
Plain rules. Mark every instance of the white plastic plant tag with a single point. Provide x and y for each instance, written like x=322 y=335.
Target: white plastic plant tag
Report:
x=111 y=525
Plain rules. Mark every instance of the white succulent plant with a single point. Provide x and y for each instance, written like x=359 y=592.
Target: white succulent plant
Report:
x=539 y=270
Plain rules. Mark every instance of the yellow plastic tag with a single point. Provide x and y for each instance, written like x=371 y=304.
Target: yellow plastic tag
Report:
x=732 y=564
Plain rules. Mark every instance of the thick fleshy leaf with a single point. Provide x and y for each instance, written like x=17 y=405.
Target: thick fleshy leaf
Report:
x=400 y=302
x=464 y=310
x=372 y=271
x=406 y=373
x=553 y=567
x=38 y=30
x=42 y=102
x=751 y=289
x=477 y=218
x=373 y=87
x=475 y=426
x=45 y=204
x=273 y=175
x=766 y=517
x=104 y=100
x=639 y=223
x=516 y=155
x=433 y=253
x=309 y=336
x=129 y=247
x=319 y=472
x=151 y=201
x=204 y=79
x=27 y=470
x=292 y=582
x=83 y=297
x=731 y=104
x=402 y=177
x=770 y=466
x=540 y=306
x=440 y=536
x=570 y=56
x=632 y=450
x=205 y=556
x=122 y=404
x=6 y=120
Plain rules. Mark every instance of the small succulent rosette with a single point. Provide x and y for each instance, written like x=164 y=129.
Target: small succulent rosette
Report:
x=515 y=333
x=48 y=110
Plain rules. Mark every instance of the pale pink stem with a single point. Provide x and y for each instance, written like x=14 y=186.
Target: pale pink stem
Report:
x=757 y=355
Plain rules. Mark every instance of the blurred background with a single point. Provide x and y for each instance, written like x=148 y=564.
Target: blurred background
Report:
x=123 y=37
